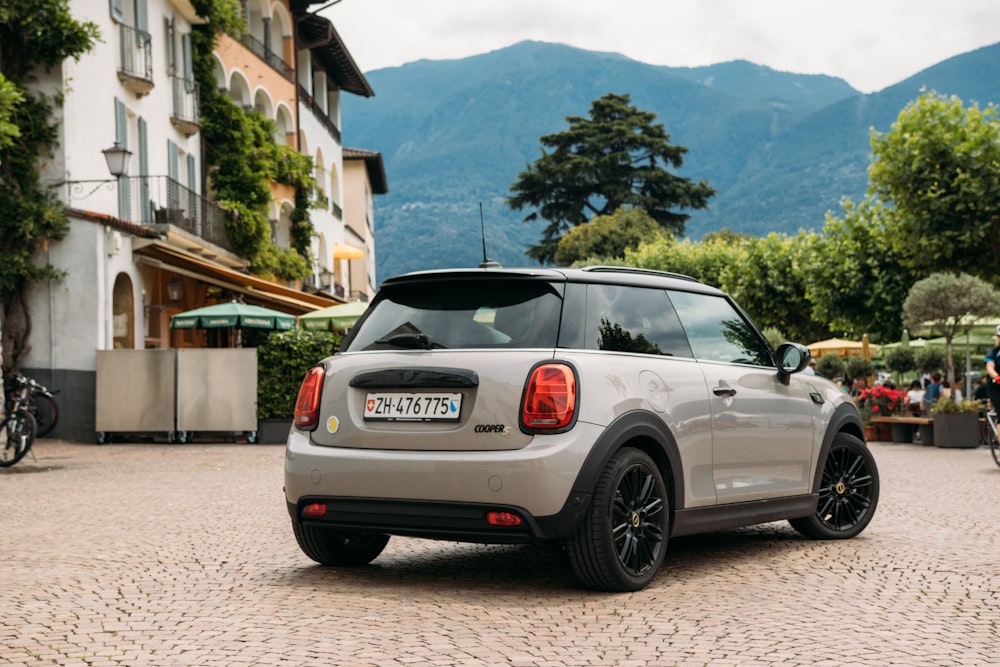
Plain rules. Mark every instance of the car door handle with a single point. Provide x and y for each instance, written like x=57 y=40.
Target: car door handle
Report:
x=724 y=391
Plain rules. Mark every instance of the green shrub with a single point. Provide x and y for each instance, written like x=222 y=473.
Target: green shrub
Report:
x=830 y=366
x=282 y=362
x=949 y=406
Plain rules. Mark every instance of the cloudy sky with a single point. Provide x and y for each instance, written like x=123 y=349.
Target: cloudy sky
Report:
x=870 y=44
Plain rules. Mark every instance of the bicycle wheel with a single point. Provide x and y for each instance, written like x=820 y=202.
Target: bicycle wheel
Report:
x=46 y=413
x=994 y=444
x=21 y=430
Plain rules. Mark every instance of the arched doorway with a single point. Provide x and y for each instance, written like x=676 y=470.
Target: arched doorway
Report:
x=122 y=313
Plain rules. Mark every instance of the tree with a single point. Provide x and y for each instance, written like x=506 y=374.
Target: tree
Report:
x=10 y=97
x=830 y=366
x=32 y=35
x=946 y=303
x=930 y=359
x=607 y=236
x=939 y=167
x=900 y=360
x=854 y=279
x=705 y=261
x=615 y=159
x=765 y=279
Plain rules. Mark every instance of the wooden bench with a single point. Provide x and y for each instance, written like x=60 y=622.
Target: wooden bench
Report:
x=924 y=424
x=923 y=421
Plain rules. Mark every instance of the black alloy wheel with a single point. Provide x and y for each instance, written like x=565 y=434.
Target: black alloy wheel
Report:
x=622 y=543
x=848 y=492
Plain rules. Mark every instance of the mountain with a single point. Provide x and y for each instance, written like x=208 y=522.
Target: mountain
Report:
x=781 y=149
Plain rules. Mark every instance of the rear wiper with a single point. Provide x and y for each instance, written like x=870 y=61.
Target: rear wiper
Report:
x=412 y=341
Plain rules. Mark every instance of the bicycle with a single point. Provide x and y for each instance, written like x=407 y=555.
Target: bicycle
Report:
x=990 y=434
x=43 y=407
x=19 y=424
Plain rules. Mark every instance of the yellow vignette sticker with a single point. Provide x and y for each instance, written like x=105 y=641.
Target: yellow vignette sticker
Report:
x=332 y=424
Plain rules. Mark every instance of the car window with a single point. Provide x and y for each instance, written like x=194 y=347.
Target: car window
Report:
x=717 y=331
x=509 y=313
x=633 y=319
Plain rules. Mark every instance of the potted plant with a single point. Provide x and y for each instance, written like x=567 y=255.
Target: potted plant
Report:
x=282 y=362
x=956 y=423
x=883 y=401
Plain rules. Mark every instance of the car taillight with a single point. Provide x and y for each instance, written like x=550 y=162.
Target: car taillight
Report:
x=307 y=404
x=549 y=397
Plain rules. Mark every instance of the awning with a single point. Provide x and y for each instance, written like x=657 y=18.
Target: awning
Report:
x=233 y=314
x=334 y=317
x=290 y=300
x=344 y=251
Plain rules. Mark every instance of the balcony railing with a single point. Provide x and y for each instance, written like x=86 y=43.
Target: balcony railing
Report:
x=321 y=116
x=187 y=108
x=135 y=66
x=157 y=200
x=263 y=52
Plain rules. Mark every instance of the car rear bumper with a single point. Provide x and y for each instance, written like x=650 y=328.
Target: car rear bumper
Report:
x=399 y=490
x=461 y=522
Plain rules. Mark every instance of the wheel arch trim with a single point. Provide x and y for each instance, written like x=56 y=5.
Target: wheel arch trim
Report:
x=845 y=419
x=637 y=425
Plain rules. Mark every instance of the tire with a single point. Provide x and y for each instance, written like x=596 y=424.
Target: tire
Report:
x=333 y=547
x=848 y=492
x=21 y=430
x=621 y=544
x=991 y=437
x=46 y=412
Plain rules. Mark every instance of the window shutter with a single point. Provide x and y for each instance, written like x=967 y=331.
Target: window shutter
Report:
x=121 y=136
x=118 y=10
x=145 y=203
x=173 y=191
x=188 y=65
x=192 y=175
x=141 y=15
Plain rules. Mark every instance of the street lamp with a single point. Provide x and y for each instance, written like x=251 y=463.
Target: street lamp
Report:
x=117 y=159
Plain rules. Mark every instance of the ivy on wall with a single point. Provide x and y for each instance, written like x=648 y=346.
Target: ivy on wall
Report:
x=242 y=158
x=34 y=35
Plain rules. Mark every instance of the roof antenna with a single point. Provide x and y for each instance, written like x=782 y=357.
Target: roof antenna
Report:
x=487 y=263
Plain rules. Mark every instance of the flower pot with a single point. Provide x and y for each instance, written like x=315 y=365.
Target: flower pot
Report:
x=887 y=433
x=871 y=432
x=901 y=432
x=956 y=430
x=273 y=431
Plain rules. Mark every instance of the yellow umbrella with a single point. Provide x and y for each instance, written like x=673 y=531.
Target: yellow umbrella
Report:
x=838 y=347
x=866 y=348
x=343 y=251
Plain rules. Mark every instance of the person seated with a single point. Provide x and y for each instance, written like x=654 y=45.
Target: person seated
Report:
x=915 y=399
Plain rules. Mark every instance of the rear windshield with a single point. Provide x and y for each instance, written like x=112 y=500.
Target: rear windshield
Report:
x=445 y=315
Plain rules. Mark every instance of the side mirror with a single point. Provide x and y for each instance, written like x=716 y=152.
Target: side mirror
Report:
x=792 y=358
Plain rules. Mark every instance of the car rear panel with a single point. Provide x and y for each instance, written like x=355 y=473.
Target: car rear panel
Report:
x=488 y=419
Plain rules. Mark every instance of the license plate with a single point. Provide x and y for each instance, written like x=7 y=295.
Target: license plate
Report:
x=419 y=407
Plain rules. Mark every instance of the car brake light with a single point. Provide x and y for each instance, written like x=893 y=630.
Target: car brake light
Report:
x=307 y=404
x=503 y=519
x=550 y=397
x=314 y=510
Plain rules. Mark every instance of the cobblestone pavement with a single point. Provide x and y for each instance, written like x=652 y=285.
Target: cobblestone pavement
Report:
x=155 y=554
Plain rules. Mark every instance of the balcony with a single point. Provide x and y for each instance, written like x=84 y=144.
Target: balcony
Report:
x=158 y=200
x=186 y=114
x=321 y=116
x=135 y=62
x=265 y=53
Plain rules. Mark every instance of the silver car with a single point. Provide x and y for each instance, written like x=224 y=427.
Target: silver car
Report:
x=606 y=408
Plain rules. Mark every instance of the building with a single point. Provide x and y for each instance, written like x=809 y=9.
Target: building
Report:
x=148 y=240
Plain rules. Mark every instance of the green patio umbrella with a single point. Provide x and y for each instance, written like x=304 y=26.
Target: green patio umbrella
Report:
x=233 y=315
x=341 y=317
